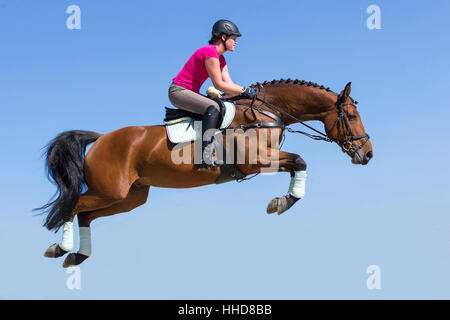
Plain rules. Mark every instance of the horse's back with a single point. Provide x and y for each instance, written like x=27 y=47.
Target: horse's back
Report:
x=125 y=137
x=124 y=149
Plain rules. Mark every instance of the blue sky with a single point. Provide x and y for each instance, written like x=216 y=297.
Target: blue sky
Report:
x=115 y=72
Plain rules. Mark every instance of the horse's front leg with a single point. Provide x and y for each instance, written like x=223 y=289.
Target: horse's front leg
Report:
x=294 y=164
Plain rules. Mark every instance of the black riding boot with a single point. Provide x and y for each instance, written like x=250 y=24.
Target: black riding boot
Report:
x=210 y=121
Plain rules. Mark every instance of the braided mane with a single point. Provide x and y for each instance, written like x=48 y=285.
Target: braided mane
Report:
x=289 y=81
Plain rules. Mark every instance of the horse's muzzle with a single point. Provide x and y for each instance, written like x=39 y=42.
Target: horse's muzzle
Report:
x=361 y=157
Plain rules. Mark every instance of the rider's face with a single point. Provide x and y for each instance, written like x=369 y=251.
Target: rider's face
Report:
x=231 y=42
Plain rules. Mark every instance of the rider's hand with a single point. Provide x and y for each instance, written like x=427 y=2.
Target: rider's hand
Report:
x=214 y=93
x=249 y=92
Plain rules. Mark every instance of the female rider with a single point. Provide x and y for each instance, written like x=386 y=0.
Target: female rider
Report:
x=207 y=62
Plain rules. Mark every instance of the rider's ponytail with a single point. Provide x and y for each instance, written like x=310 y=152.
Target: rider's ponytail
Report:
x=214 y=39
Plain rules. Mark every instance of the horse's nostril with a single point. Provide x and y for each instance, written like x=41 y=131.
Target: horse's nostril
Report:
x=369 y=155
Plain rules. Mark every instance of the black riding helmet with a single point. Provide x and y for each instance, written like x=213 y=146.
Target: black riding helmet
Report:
x=226 y=27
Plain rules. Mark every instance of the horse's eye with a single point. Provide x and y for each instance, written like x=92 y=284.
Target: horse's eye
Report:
x=352 y=117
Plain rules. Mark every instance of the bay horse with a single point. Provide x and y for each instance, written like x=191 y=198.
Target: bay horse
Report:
x=121 y=165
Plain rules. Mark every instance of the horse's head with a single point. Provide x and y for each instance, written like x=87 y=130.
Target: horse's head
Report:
x=343 y=124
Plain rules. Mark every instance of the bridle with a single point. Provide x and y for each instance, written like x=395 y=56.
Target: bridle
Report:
x=346 y=145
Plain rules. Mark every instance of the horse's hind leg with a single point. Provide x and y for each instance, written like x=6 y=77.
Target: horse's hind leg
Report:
x=87 y=202
x=95 y=198
x=136 y=197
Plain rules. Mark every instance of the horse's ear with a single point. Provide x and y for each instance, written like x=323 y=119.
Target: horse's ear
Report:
x=347 y=90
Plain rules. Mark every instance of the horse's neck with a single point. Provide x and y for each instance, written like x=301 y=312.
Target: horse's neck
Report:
x=304 y=103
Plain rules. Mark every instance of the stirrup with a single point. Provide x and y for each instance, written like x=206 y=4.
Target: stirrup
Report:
x=211 y=163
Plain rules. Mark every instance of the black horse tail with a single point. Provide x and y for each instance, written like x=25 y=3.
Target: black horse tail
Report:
x=65 y=167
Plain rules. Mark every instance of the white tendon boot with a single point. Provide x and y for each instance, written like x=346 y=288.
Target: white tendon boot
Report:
x=296 y=191
x=85 y=241
x=297 y=185
x=67 y=237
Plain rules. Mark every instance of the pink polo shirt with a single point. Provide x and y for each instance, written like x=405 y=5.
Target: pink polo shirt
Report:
x=194 y=72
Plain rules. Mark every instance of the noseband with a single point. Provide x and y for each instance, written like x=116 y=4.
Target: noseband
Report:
x=346 y=145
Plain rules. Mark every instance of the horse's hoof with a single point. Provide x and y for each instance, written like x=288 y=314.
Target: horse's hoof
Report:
x=273 y=206
x=285 y=202
x=74 y=259
x=54 y=251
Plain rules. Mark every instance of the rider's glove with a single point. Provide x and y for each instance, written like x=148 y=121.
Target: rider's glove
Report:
x=249 y=92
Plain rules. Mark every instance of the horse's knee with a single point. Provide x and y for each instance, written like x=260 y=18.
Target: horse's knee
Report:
x=300 y=164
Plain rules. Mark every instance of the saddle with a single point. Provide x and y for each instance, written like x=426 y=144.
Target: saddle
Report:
x=181 y=124
x=181 y=127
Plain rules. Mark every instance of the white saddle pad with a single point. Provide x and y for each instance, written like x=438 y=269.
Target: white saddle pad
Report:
x=186 y=129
